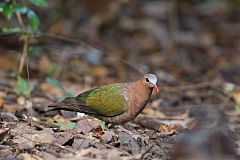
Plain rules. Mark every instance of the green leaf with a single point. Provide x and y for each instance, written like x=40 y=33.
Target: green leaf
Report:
x=8 y=10
x=68 y=94
x=40 y=3
x=2 y=5
x=33 y=20
x=54 y=83
x=64 y=125
x=57 y=84
x=13 y=74
x=101 y=124
x=11 y=30
x=20 y=8
x=23 y=87
x=53 y=68
x=35 y=51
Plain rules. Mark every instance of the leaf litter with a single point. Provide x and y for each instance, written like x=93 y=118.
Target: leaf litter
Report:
x=196 y=115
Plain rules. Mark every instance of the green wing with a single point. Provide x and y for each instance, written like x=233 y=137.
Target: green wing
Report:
x=107 y=100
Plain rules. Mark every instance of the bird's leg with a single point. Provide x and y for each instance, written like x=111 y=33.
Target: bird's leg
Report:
x=103 y=124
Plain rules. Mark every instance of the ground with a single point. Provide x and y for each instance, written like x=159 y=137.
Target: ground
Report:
x=194 y=51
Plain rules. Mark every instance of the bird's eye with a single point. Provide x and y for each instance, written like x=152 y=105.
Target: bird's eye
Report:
x=147 y=80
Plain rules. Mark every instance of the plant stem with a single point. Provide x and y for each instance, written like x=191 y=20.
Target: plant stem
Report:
x=24 y=53
x=19 y=17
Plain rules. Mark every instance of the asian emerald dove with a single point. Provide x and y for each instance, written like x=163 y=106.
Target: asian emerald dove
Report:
x=116 y=103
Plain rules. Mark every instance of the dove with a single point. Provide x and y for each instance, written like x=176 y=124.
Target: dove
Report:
x=116 y=103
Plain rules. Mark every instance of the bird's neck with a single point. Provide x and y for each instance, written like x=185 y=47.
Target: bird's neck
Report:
x=139 y=94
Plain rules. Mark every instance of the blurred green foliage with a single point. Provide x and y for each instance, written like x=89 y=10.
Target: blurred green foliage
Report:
x=10 y=7
x=22 y=11
x=63 y=125
x=57 y=84
x=23 y=87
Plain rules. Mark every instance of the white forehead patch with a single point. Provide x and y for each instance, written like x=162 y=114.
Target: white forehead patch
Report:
x=152 y=78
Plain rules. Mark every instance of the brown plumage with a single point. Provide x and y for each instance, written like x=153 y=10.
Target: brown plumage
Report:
x=115 y=103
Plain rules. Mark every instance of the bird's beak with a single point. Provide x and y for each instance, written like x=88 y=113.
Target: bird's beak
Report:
x=156 y=89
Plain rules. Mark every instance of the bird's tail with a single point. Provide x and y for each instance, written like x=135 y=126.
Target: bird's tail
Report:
x=72 y=104
x=63 y=105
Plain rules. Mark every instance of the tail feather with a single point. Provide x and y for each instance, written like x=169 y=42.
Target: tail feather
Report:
x=71 y=104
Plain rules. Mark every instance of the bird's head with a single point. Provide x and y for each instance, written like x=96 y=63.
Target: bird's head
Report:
x=151 y=81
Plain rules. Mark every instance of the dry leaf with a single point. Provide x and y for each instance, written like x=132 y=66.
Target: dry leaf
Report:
x=99 y=70
x=8 y=63
x=1 y=102
x=12 y=107
x=86 y=125
x=51 y=90
x=26 y=141
x=236 y=96
x=98 y=132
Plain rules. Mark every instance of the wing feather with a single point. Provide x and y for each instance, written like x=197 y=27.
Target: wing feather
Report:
x=107 y=100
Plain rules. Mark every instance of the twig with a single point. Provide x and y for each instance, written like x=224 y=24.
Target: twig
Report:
x=64 y=148
x=145 y=152
x=19 y=17
x=59 y=37
x=112 y=147
x=24 y=54
x=107 y=145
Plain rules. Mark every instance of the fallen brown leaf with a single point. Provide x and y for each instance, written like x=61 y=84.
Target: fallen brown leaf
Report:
x=236 y=96
x=12 y=107
x=86 y=125
x=1 y=102
x=26 y=141
x=50 y=90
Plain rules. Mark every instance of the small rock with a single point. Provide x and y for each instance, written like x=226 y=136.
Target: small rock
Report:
x=108 y=136
x=79 y=144
x=6 y=154
x=24 y=156
x=63 y=137
x=8 y=116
